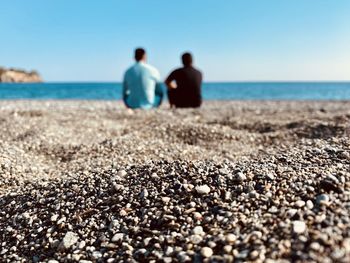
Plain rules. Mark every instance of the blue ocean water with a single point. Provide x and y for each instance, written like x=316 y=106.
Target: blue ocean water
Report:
x=211 y=91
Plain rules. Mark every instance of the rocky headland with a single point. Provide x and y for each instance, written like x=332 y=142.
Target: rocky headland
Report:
x=19 y=76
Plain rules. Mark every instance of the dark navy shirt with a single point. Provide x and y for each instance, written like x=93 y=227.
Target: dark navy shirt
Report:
x=188 y=92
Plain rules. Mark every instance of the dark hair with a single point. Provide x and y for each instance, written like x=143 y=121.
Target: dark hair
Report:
x=139 y=53
x=187 y=59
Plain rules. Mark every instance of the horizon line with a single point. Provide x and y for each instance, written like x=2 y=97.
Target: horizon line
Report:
x=215 y=81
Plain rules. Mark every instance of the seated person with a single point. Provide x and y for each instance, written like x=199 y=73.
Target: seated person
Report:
x=141 y=86
x=184 y=85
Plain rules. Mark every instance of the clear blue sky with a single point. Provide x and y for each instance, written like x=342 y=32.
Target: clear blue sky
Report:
x=80 y=40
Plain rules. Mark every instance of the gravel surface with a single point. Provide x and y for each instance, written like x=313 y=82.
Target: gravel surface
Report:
x=87 y=181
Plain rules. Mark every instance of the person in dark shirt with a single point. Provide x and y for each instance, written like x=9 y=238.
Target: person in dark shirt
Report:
x=184 y=85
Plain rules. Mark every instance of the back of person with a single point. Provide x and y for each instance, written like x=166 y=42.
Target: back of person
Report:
x=186 y=91
x=141 y=86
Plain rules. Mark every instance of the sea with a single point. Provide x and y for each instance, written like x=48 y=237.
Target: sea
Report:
x=210 y=91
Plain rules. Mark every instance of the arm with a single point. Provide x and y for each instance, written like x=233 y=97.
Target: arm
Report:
x=171 y=84
x=170 y=81
x=125 y=90
x=159 y=93
x=159 y=89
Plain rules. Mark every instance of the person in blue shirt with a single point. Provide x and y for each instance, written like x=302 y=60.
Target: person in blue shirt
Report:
x=142 y=88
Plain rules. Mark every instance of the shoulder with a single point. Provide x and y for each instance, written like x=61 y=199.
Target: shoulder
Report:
x=130 y=70
x=151 y=69
x=173 y=75
x=176 y=71
x=197 y=71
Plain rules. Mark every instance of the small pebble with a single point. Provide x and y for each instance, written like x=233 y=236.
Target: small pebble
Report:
x=241 y=177
x=231 y=238
x=118 y=237
x=300 y=203
x=198 y=230
x=206 y=252
x=323 y=199
x=203 y=189
x=69 y=240
x=299 y=227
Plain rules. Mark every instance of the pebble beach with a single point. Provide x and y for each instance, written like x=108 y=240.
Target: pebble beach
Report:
x=233 y=181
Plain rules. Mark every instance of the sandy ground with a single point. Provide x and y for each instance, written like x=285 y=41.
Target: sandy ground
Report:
x=51 y=142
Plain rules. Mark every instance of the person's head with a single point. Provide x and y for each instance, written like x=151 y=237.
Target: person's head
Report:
x=187 y=59
x=140 y=54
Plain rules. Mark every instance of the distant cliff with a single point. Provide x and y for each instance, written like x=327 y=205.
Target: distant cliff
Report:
x=19 y=76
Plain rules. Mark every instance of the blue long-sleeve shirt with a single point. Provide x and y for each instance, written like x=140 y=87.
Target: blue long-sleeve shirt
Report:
x=141 y=86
